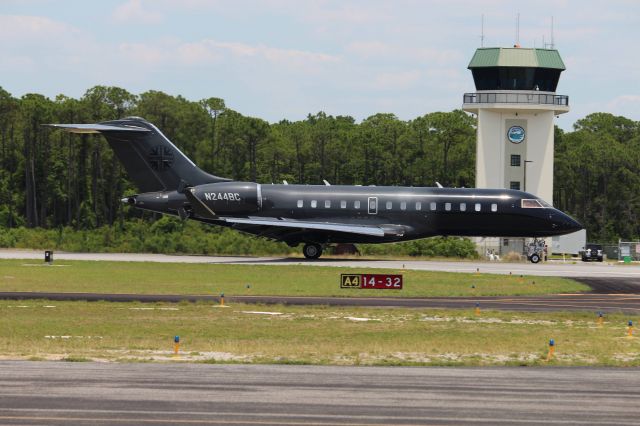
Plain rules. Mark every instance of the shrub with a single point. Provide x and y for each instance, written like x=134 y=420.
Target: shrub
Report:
x=170 y=235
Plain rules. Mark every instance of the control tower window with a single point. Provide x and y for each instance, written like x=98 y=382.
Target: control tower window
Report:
x=515 y=160
x=514 y=185
x=516 y=78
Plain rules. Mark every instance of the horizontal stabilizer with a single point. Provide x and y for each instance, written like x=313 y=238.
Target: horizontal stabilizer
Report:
x=96 y=128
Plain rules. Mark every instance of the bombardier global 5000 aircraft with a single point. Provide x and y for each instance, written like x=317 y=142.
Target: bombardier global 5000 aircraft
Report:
x=316 y=215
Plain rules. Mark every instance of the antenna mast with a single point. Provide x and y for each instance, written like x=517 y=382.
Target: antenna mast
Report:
x=518 y=30
x=482 y=31
x=553 y=44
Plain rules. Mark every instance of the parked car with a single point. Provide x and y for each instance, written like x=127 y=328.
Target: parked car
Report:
x=592 y=252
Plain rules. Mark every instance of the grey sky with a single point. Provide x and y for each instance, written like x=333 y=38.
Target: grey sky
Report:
x=278 y=59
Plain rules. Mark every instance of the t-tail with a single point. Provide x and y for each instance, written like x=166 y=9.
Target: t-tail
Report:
x=152 y=162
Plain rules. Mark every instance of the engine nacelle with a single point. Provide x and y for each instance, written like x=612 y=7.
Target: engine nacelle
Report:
x=230 y=197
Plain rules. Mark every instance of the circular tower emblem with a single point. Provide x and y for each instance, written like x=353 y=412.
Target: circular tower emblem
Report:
x=515 y=134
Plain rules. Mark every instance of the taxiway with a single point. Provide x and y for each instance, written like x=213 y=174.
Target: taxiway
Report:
x=607 y=303
x=554 y=268
x=34 y=393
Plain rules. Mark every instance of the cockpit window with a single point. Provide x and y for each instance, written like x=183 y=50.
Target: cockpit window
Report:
x=533 y=204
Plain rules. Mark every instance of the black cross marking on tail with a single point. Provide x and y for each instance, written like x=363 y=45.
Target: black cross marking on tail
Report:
x=161 y=158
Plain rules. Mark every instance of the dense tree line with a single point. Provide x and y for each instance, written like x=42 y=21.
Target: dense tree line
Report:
x=51 y=179
x=597 y=175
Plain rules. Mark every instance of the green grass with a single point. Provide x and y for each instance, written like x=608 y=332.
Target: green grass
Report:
x=135 y=332
x=181 y=278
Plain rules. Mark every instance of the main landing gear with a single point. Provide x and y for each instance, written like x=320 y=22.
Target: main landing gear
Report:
x=312 y=250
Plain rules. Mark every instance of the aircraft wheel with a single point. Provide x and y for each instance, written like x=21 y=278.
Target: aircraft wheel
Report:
x=534 y=258
x=312 y=250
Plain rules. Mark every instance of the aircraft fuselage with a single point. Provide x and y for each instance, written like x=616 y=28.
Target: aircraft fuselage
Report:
x=405 y=212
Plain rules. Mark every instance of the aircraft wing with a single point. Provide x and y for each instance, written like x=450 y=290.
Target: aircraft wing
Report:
x=96 y=128
x=371 y=230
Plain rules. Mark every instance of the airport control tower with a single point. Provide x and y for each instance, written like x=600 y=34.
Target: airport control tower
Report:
x=516 y=101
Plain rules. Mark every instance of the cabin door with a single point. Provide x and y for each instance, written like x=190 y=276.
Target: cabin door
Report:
x=373 y=205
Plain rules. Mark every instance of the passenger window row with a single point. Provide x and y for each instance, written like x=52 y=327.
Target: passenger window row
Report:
x=403 y=205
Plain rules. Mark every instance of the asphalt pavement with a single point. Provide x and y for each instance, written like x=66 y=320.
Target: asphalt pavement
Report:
x=608 y=303
x=56 y=393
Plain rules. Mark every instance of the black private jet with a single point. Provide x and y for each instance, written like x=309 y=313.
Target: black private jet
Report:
x=316 y=215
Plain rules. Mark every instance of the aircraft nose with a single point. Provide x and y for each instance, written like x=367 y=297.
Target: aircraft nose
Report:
x=574 y=225
x=565 y=224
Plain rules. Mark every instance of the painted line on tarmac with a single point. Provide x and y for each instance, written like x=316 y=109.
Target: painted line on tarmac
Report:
x=427 y=420
x=174 y=421
x=523 y=303
x=560 y=307
x=76 y=412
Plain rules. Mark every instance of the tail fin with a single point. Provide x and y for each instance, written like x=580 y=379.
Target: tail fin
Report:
x=150 y=159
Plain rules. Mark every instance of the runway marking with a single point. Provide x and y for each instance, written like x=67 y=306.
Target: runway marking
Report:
x=428 y=421
x=548 y=299
x=204 y=421
x=558 y=305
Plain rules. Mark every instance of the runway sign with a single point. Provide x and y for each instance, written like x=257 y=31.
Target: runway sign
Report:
x=374 y=281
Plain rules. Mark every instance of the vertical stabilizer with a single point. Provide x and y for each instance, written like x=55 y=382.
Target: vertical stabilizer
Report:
x=151 y=160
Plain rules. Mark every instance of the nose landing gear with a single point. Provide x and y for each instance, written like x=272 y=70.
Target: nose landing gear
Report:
x=536 y=250
x=312 y=251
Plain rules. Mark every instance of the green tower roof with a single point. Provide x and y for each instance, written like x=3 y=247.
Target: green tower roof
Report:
x=516 y=57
